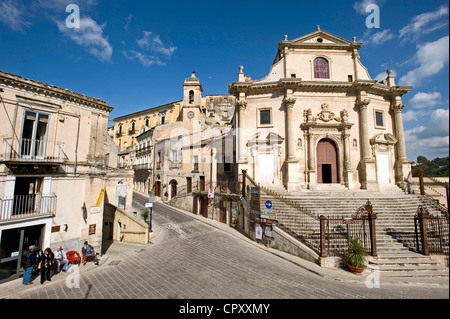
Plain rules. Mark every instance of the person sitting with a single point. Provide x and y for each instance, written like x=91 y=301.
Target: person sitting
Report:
x=88 y=251
x=61 y=258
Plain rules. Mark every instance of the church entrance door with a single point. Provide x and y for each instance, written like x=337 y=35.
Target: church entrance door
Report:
x=327 y=162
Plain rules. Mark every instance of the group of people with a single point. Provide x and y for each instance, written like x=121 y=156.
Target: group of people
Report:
x=44 y=261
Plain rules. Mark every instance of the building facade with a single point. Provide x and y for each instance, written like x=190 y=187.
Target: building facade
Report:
x=55 y=174
x=319 y=118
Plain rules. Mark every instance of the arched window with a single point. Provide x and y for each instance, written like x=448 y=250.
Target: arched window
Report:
x=321 y=69
x=191 y=97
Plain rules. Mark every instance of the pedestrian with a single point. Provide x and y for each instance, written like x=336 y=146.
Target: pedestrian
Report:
x=61 y=258
x=46 y=265
x=88 y=251
x=28 y=260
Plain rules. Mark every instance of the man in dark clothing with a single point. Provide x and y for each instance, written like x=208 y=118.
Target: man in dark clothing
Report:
x=28 y=260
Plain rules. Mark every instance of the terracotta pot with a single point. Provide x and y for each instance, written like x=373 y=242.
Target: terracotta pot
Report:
x=355 y=269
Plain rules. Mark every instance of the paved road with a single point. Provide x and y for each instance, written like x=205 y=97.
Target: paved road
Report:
x=193 y=260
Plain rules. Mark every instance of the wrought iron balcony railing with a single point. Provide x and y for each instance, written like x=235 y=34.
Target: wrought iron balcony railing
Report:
x=31 y=150
x=24 y=206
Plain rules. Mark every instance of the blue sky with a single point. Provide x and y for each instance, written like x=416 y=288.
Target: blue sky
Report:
x=136 y=54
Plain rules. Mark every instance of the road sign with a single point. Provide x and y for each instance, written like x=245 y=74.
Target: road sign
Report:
x=347 y=220
x=152 y=199
x=211 y=193
x=269 y=214
x=268 y=204
x=147 y=205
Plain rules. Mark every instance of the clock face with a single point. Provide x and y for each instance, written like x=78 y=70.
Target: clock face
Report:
x=190 y=114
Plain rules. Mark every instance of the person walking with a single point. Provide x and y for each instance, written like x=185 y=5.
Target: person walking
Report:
x=46 y=265
x=28 y=260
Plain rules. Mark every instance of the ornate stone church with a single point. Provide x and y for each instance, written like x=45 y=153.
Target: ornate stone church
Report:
x=319 y=118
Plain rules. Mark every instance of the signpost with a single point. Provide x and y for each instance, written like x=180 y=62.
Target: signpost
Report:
x=211 y=193
x=149 y=205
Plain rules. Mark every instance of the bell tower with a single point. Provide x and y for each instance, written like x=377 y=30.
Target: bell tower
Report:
x=192 y=98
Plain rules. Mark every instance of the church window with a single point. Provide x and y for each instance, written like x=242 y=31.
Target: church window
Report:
x=321 y=69
x=379 y=121
x=264 y=117
x=191 y=97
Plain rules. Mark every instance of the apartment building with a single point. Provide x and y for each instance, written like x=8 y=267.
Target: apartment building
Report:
x=55 y=169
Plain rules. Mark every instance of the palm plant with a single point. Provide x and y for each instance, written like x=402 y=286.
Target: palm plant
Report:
x=356 y=254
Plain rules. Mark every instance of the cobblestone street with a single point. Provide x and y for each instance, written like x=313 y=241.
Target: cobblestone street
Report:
x=190 y=259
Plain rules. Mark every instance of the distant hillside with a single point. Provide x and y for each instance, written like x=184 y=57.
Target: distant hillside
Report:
x=435 y=168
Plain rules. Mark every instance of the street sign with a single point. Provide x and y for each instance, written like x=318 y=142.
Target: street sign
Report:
x=268 y=204
x=211 y=193
x=148 y=205
x=347 y=220
x=269 y=214
x=152 y=199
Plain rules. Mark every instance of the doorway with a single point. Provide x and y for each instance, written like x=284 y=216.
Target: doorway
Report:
x=327 y=162
x=12 y=245
x=158 y=188
x=173 y=188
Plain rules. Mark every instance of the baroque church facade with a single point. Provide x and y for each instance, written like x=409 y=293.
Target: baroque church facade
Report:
x=319 y=118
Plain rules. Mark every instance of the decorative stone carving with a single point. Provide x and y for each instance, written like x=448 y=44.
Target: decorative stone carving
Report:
x=289 y=102
x=326 y=115
x=363 y=104
x=397 y=107
x=241 y=105
x=344 y=116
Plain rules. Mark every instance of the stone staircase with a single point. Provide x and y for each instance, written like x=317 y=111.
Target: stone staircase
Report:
x=395 y=228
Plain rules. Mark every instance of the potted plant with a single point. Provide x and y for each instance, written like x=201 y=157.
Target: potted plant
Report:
x=356 y=255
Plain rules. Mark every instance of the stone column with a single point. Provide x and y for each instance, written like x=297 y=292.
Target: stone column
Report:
x=348 y=175
x=399 y=132
x=364 y=138
x=368 y=174
x=290 y=136
x=292 y=165
x=402 y=165
x=311 y=160
x=241 y=106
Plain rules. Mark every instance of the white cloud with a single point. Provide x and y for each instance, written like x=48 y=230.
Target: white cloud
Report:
x=430 y=58
x=90 y=36
x=361 y=6
x=424 y=23
x=378 y=37
x=151 y=50
x=13 y=15
x=144 y=59
x=431 y=140
x=152 y=42
x=425 y=100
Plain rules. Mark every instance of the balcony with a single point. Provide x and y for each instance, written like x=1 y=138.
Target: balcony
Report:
x=146 y=166
x=33 y=151
x=25 y=206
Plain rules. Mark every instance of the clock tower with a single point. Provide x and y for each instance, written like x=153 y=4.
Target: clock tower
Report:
x=192 y=98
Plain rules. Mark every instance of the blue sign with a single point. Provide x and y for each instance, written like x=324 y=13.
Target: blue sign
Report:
x=268 y=204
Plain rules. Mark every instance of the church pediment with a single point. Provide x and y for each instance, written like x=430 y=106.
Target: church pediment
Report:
x=320 y=38
x=383 y=138
x=271 y=139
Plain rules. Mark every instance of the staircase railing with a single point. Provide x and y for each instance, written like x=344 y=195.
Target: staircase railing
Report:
x=336 y=232
x=306 y=222
x=432 y=233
